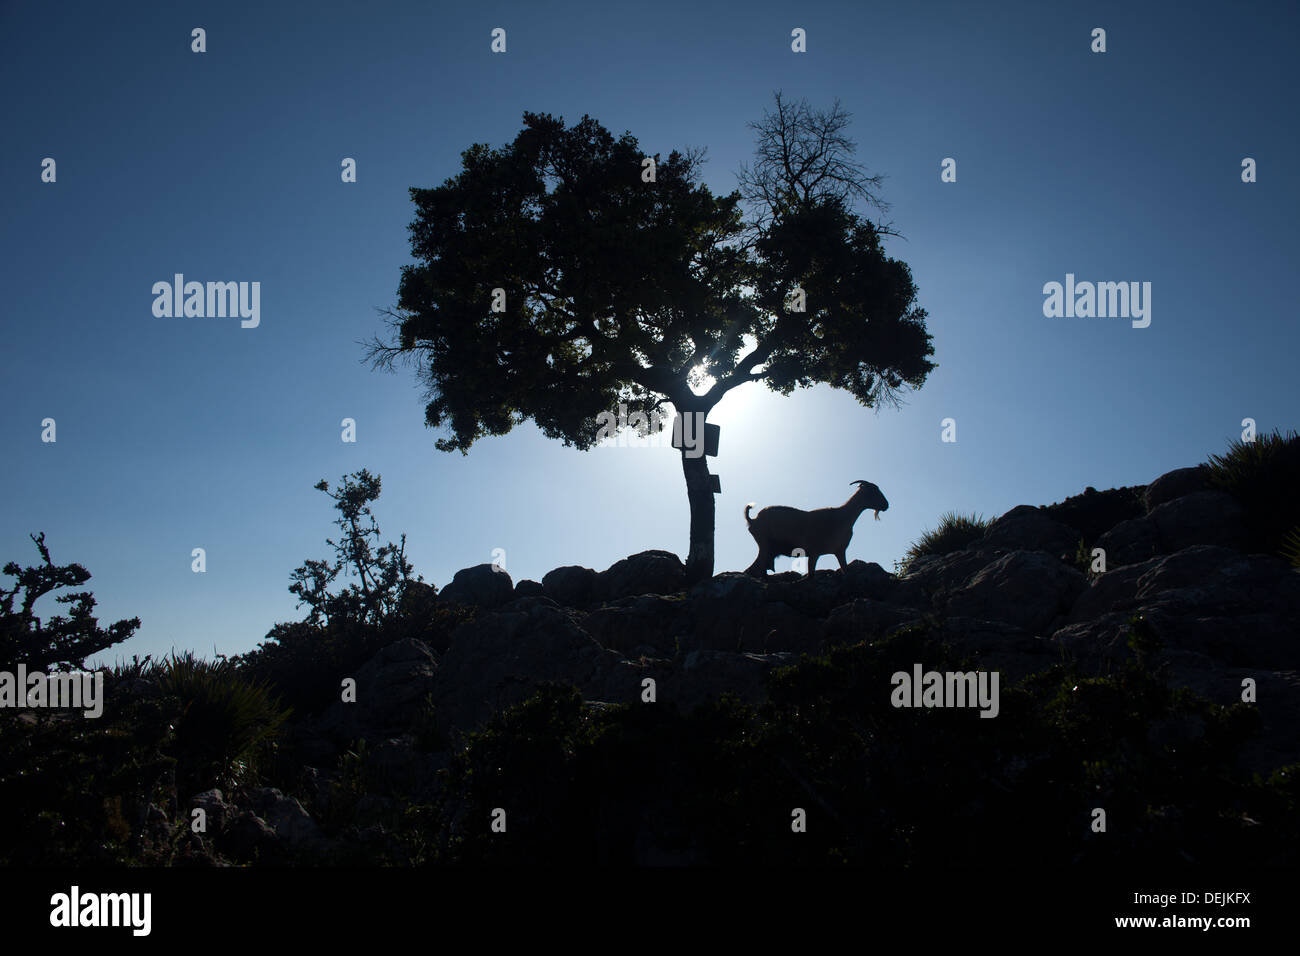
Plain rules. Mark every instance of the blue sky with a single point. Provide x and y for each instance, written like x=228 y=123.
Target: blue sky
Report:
x=182 y=433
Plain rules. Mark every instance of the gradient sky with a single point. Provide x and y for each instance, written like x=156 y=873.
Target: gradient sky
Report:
x=183 y=433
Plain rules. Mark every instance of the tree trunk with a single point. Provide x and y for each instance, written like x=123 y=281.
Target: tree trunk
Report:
x=699 y=491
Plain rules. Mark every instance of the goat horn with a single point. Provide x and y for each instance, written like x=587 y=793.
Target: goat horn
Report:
x=859 y=482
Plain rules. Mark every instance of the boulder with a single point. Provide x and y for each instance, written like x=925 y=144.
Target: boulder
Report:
x=862 y=620
x=526 y=588
x=997 y=646
x=1094 y=512
x=649 y=572
x=1130 y=542
x=391 y=686
x=286 y=818
x=1175 y=484
x=500 y=659
x=1029 y=589
x=217 y=812
x=484 y=585
x=249 y=837
x=1026 y=528
x=1202 y=517
x=637 y=627
x=734 y=612
x=866 y=579
x=571 y=586
x=730 y=586
x=938 y=573
x=1237 y=609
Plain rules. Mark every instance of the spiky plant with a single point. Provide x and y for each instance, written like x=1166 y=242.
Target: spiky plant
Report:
x=955 y=532
x=1291 y=547
x=1262 y=475
x=225 y=722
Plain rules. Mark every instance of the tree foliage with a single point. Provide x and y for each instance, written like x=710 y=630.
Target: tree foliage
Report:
x=62 y=640
x=382 y=575
x=619 y=290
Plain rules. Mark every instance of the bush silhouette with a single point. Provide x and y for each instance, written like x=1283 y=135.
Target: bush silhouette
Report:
x=954 y=533
x=60 y=641
x=1263 y=476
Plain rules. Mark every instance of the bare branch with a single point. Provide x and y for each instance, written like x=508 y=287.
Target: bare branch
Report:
x=803 y=156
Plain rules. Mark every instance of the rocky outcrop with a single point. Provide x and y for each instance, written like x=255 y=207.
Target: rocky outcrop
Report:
x=484 y=585
x=390 y=688
x=1176 y=484
x=1026 y=528
x=1016 y=601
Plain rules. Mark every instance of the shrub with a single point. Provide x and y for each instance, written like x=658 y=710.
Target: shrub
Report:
x=882 y=786
x=1291 y=547
x=382 y=574
x=1263 y=476
x=954 y=533
x=226 y=720
x=78 y=790
x=60 y=640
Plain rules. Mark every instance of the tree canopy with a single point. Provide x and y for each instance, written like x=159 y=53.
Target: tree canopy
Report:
x=564 y=274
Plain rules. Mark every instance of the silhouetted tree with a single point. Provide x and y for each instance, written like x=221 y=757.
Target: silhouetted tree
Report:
x=59 y=641
x=622 y=290
x=382 y=574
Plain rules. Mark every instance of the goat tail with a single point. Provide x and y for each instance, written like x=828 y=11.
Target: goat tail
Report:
x=748 y=519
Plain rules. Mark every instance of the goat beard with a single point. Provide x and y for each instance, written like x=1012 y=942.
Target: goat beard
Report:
x=877 y=515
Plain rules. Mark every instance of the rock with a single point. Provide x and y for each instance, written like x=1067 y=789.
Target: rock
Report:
x=286 y=818
x=1026 y=528
x=866 y=579
x=1202 y=517
x=1094 y=512
x=862 y=620
x=217 y=812
x=1278 y=696
x=391 y=687
x=1029 y=589
x=249 y=837
x=649 y=572
x=526 y=588
x=1112 y=591
x=1175 y=484
x=1130 y=542
x=645 y=626
x=996 y=646
x=782 y=629
x=524 y=603
x=500 y=659
x=1238 y=609
x=939 y=573
x=730 y=585
x=734 y=612
x=1097 y=644
x=706 y=675
x=571 y=586
x=484 y=585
